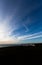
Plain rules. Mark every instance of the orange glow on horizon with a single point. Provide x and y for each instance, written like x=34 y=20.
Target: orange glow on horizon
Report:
x=8 y=42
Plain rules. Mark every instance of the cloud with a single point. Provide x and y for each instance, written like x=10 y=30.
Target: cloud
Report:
x=26 y=28
x=6 y=32
x=31 y=36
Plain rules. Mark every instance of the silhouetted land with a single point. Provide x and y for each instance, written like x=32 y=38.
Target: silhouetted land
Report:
x=23 y=54
x=21 y=49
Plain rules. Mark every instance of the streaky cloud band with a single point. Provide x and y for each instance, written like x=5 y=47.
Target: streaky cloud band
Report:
x=31 y=36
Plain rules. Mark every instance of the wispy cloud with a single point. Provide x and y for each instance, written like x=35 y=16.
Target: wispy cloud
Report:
x=26 y=28
x=31 y=36
x=6 y=32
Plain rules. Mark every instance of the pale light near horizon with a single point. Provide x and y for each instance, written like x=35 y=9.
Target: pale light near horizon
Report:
x=5 y=32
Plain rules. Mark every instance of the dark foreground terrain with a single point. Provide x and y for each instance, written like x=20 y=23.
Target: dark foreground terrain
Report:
x=21 y=49
x=23 y=54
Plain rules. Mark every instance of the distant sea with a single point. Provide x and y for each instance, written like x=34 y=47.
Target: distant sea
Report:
x=8 y=45
x=21 y=44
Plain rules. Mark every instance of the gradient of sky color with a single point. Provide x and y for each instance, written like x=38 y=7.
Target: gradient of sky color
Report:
x=21 y=21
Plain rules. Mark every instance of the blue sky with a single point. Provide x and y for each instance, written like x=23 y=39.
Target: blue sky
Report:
x=20 y=19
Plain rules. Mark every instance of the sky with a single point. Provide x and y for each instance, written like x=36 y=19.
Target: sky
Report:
x=20 y=21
